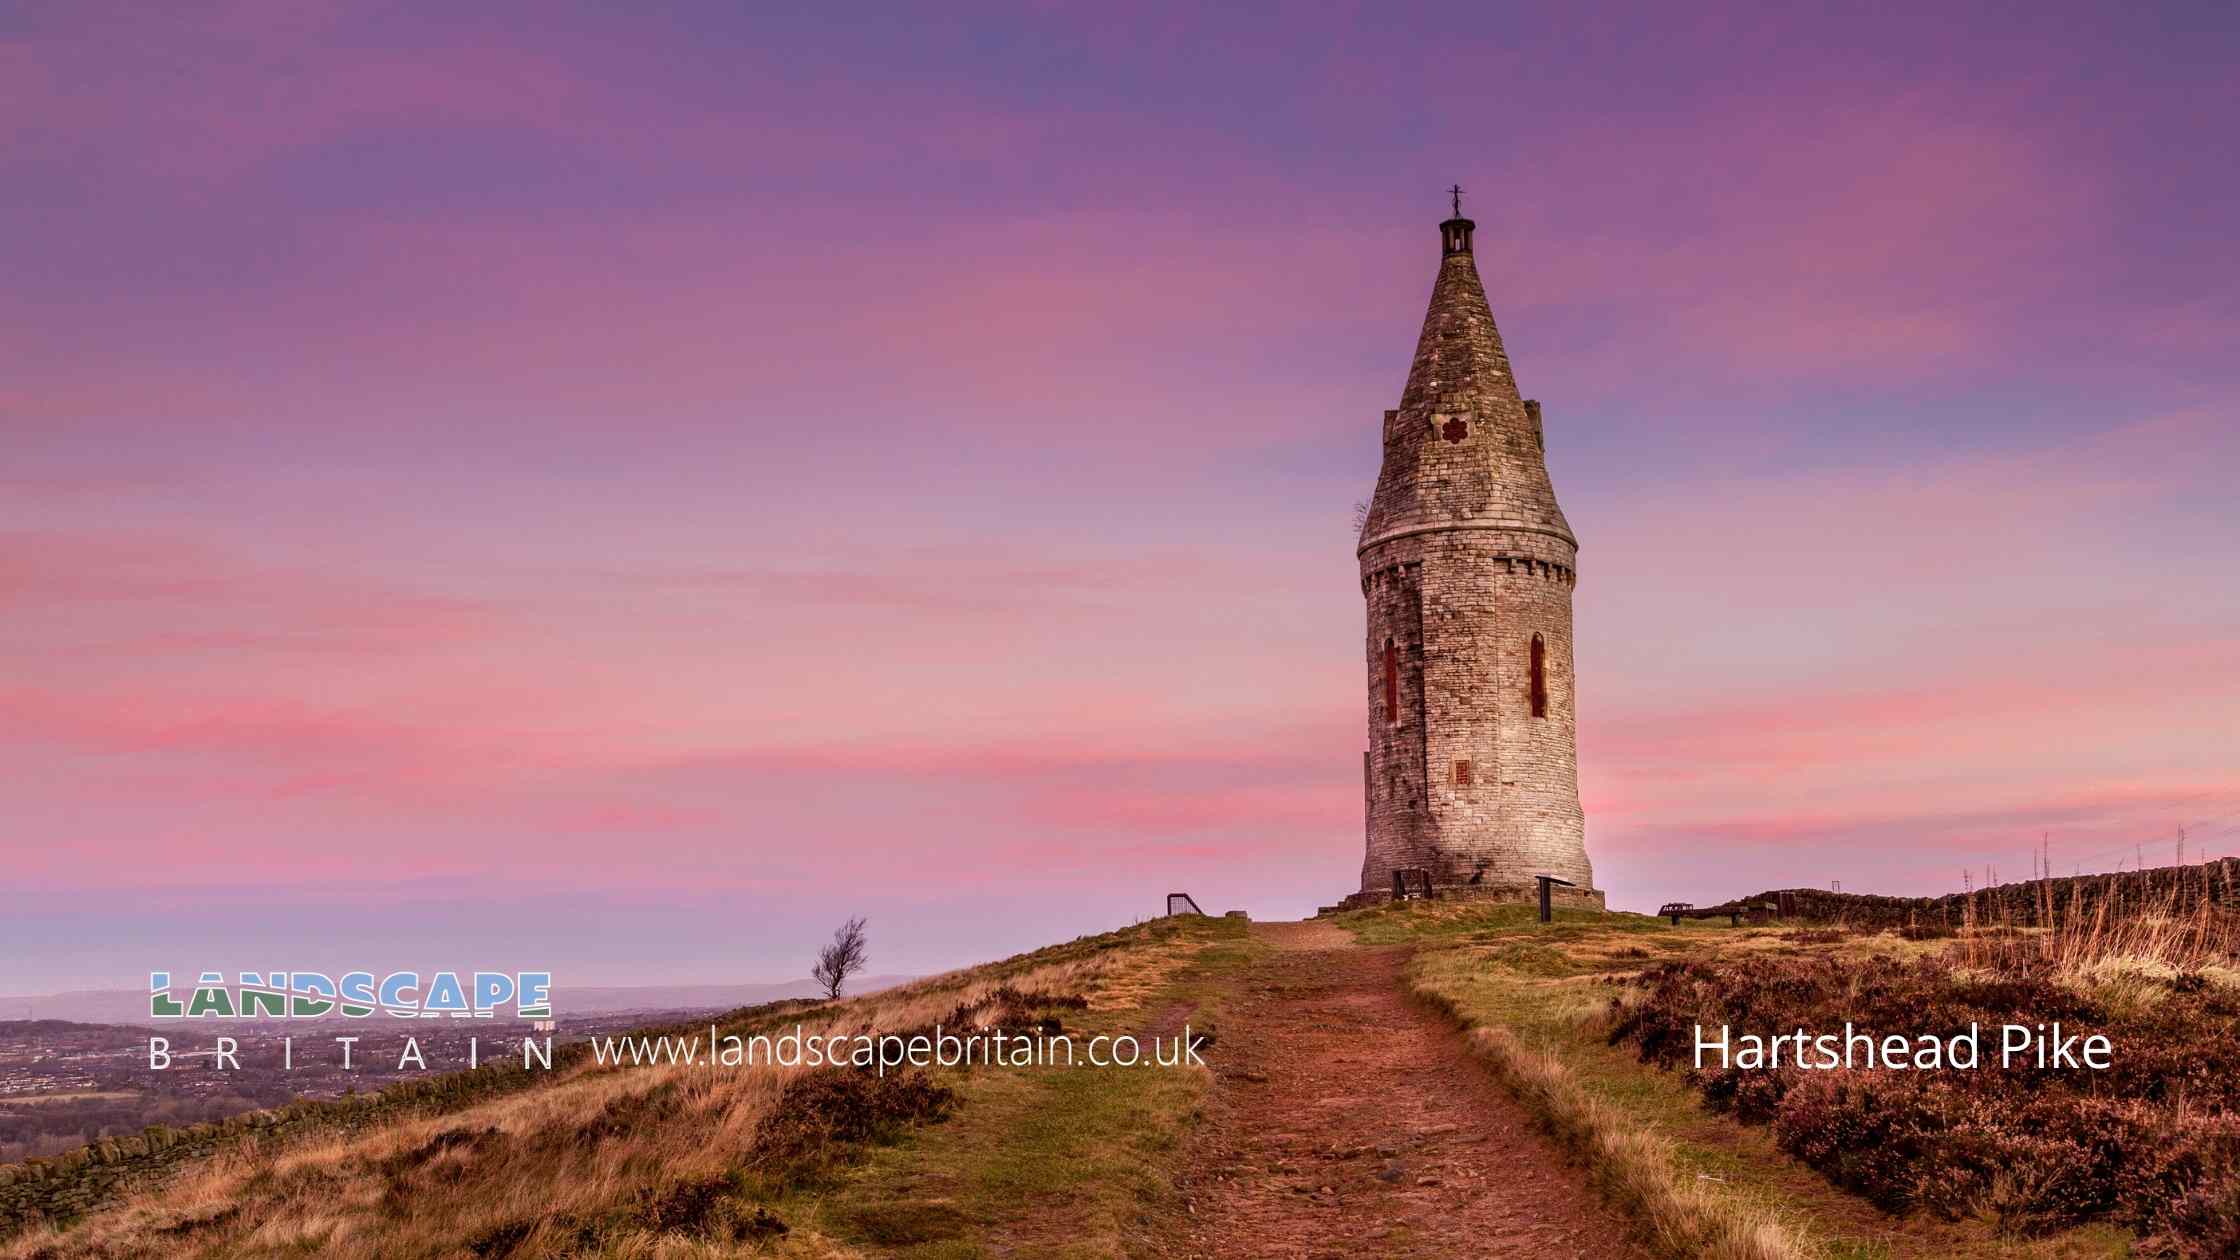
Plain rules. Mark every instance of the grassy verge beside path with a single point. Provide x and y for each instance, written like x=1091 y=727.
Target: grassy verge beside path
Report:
x=1536 y=998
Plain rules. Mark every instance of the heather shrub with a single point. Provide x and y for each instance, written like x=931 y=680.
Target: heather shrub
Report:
x=704 y=1207
x=2152 y=1142
x=1012 y=1011
x=827 y=1113
x=2205 y=1221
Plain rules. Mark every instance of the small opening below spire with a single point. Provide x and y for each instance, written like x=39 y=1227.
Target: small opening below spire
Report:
x=1454 y=236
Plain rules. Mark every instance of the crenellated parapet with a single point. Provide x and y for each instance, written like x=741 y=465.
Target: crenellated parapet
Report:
x=1514 y=565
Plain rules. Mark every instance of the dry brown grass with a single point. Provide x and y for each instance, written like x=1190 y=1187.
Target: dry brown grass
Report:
x=405 y=1190
x=595 y=1162
x=2159 y=935
x=1633 y=1165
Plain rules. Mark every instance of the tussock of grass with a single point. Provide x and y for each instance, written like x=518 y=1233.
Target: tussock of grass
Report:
x=1681 y=1214
x=1634 y=1166
x=2164 y=933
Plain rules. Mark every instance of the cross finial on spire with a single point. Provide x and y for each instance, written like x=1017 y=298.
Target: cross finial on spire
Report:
x=1457 y=192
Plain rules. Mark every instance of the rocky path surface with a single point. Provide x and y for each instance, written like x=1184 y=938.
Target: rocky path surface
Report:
x=1347 y=1121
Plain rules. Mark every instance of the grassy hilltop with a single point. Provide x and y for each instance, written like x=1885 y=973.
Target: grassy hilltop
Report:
x=1587 y=1021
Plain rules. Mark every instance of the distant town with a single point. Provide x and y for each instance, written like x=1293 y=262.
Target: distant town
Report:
x=64 y=1084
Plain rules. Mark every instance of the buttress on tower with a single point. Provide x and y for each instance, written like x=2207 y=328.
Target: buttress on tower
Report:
x=1467 y=564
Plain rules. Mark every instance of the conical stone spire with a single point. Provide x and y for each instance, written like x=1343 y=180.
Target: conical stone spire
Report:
x=1460 y=354
x=1463 y=448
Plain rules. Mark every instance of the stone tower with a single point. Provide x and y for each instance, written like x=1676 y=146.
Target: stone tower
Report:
x=1467 y=566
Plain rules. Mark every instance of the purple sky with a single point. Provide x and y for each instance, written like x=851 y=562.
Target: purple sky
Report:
x=620 y=489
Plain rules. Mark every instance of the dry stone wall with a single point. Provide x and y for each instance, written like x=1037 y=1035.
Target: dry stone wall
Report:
x=2180 y=889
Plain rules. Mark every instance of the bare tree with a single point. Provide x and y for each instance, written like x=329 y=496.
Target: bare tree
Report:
x=844 y=957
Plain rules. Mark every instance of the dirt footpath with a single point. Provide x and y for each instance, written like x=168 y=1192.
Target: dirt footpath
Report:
x=1347 y=1121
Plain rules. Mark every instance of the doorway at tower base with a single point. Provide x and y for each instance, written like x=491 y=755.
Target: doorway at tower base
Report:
x=1527 y=893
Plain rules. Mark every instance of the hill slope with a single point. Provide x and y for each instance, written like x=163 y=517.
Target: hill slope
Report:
x=643 y=1159
x=1347 y=1105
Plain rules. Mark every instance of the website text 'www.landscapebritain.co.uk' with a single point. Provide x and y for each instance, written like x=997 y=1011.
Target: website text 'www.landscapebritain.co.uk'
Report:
x=710 y=630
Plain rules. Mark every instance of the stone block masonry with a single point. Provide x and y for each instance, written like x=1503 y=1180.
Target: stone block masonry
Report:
x=1467 y=567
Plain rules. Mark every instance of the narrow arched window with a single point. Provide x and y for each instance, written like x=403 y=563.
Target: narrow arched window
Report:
x=1539 y=677
x=1391 y=682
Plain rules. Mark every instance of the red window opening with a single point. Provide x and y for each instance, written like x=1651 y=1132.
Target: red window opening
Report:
x=1391 y=682
x=1539 y=677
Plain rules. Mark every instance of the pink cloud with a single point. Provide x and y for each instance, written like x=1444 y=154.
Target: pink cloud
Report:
x=1275 y=810
x=945 y=580
x=160 y=578
x=1819 y=237
x=1942 y=706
